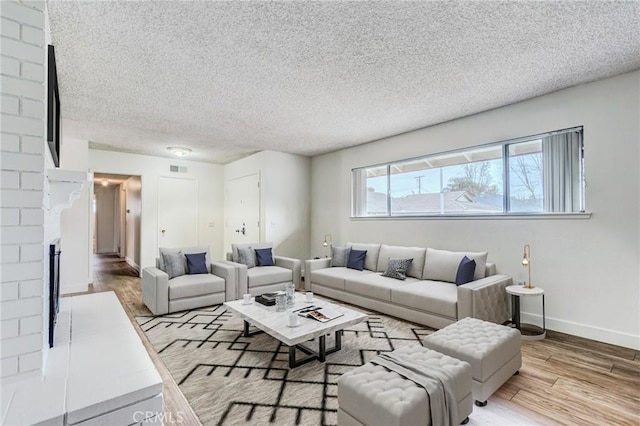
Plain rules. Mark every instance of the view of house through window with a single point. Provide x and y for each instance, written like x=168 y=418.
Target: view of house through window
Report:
x=539 y=174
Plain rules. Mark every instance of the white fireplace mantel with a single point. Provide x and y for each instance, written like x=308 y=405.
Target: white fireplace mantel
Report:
x=64 y=188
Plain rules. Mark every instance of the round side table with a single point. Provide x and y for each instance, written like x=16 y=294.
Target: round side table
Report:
x=528 y=331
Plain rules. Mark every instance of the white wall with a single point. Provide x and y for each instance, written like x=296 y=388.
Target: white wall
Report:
x=22 y=164
x=133 y=211
x=210 y=196
x=589 y=268
x=285 y=188
x=107 y=222
x=74 y=222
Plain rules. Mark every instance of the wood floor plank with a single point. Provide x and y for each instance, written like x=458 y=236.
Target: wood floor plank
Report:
x=598 y=396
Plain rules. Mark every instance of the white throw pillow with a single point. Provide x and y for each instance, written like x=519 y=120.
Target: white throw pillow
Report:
x=442 y=265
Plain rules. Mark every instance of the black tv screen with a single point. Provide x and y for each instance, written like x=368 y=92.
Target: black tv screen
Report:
x=53 y=108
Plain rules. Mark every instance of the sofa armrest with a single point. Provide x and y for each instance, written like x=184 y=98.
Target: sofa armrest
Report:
x=312 y=265
x=228 y=273
x=290 y=263
x=155 y=290
x=485 y=299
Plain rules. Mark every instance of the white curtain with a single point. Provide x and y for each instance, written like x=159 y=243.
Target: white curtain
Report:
x=561 y=172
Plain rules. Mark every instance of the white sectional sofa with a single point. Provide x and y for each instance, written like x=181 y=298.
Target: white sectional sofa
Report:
x=427 y=296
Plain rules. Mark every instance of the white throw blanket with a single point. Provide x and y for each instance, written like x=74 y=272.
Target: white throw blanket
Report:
x=435 y=380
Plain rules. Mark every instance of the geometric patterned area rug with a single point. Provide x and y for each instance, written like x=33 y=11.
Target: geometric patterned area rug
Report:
x=229 y=379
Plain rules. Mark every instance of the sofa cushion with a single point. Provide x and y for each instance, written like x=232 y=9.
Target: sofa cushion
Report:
x=374 y=285
x=442 y=265
x=183 y=250
x=235 y=256
x=339 y=256
x=397 y=268
x=356 y=259
x=373 y=250
x=334 y=277
x=264 y=257
x=247 y=256
x=430 y=296
x=195 y=285
x=173 y=264
x=415 y=253
x=268 y=275
x=197 y=263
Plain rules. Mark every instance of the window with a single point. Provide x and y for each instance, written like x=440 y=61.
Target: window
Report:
x=538 y=174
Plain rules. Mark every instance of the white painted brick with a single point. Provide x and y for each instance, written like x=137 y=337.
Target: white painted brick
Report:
x=15 y=198
x=22 y=162
x=22 y=235
x=20 y=345
x=31 y=252
x=10 y=253
x=23 y=88
x=9 y=217
x=31 y=361
x=9 y=291
x=21 y=271
x=10 y=104
x=22 y=13
x=21 y=50
x=9 y=142
x=30 y=325
x=33 y=35
x=34 y=4
x=31 y=288
x=33 y=145
x=31 y=216
x=9 y=179
x=32 y=71
x=10 y=28
x=21 y=308
x=31 y=108
x=9 y=66
x=8 y=366
x=30 y=180
x=10 y=328
x=23 y=125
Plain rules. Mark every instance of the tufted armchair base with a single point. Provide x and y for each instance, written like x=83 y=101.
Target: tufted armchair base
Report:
x=492 y=350
x=373 y=395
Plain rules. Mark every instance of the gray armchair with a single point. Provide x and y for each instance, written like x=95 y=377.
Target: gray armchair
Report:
x=163 y=295
x=260 y=279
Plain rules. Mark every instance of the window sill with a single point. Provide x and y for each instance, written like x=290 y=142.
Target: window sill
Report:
x=501 y=216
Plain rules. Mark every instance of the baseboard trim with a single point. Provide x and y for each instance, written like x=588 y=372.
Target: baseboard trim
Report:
x=76 y=288
x=613 y=337
x=133 y=264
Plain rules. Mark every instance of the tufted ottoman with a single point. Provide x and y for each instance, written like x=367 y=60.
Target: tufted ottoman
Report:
x=492 y=350
x=373 y=395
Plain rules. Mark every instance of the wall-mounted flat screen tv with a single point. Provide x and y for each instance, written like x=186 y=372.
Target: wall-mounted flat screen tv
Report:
x=53 y=108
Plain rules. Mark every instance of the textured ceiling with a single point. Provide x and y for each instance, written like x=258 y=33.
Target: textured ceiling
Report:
x=230 y=78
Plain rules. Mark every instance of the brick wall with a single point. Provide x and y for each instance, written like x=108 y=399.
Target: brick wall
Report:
x=22 y=162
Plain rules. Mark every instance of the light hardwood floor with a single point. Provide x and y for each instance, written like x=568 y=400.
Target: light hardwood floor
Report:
x=563 y=380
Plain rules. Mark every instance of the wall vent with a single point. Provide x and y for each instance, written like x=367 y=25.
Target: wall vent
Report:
x=178 y=169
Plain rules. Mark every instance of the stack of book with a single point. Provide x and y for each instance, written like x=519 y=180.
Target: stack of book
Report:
x=268 y=299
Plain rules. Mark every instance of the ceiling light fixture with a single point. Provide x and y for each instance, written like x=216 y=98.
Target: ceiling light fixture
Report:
x=105 y=182
x=179 y=151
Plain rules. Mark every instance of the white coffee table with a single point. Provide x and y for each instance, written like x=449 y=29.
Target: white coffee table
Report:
x=276 y=324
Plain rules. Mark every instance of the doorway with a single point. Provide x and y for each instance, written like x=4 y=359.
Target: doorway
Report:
x=117 y=208
x=242 y=210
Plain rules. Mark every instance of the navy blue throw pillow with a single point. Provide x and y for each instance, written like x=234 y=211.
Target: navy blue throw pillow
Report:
x=264 y=257
x=197 y=263
x=356 y=259
x=466 y=269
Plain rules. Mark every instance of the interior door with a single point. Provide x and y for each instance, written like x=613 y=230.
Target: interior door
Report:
x=177 y=212
x=243 y=210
